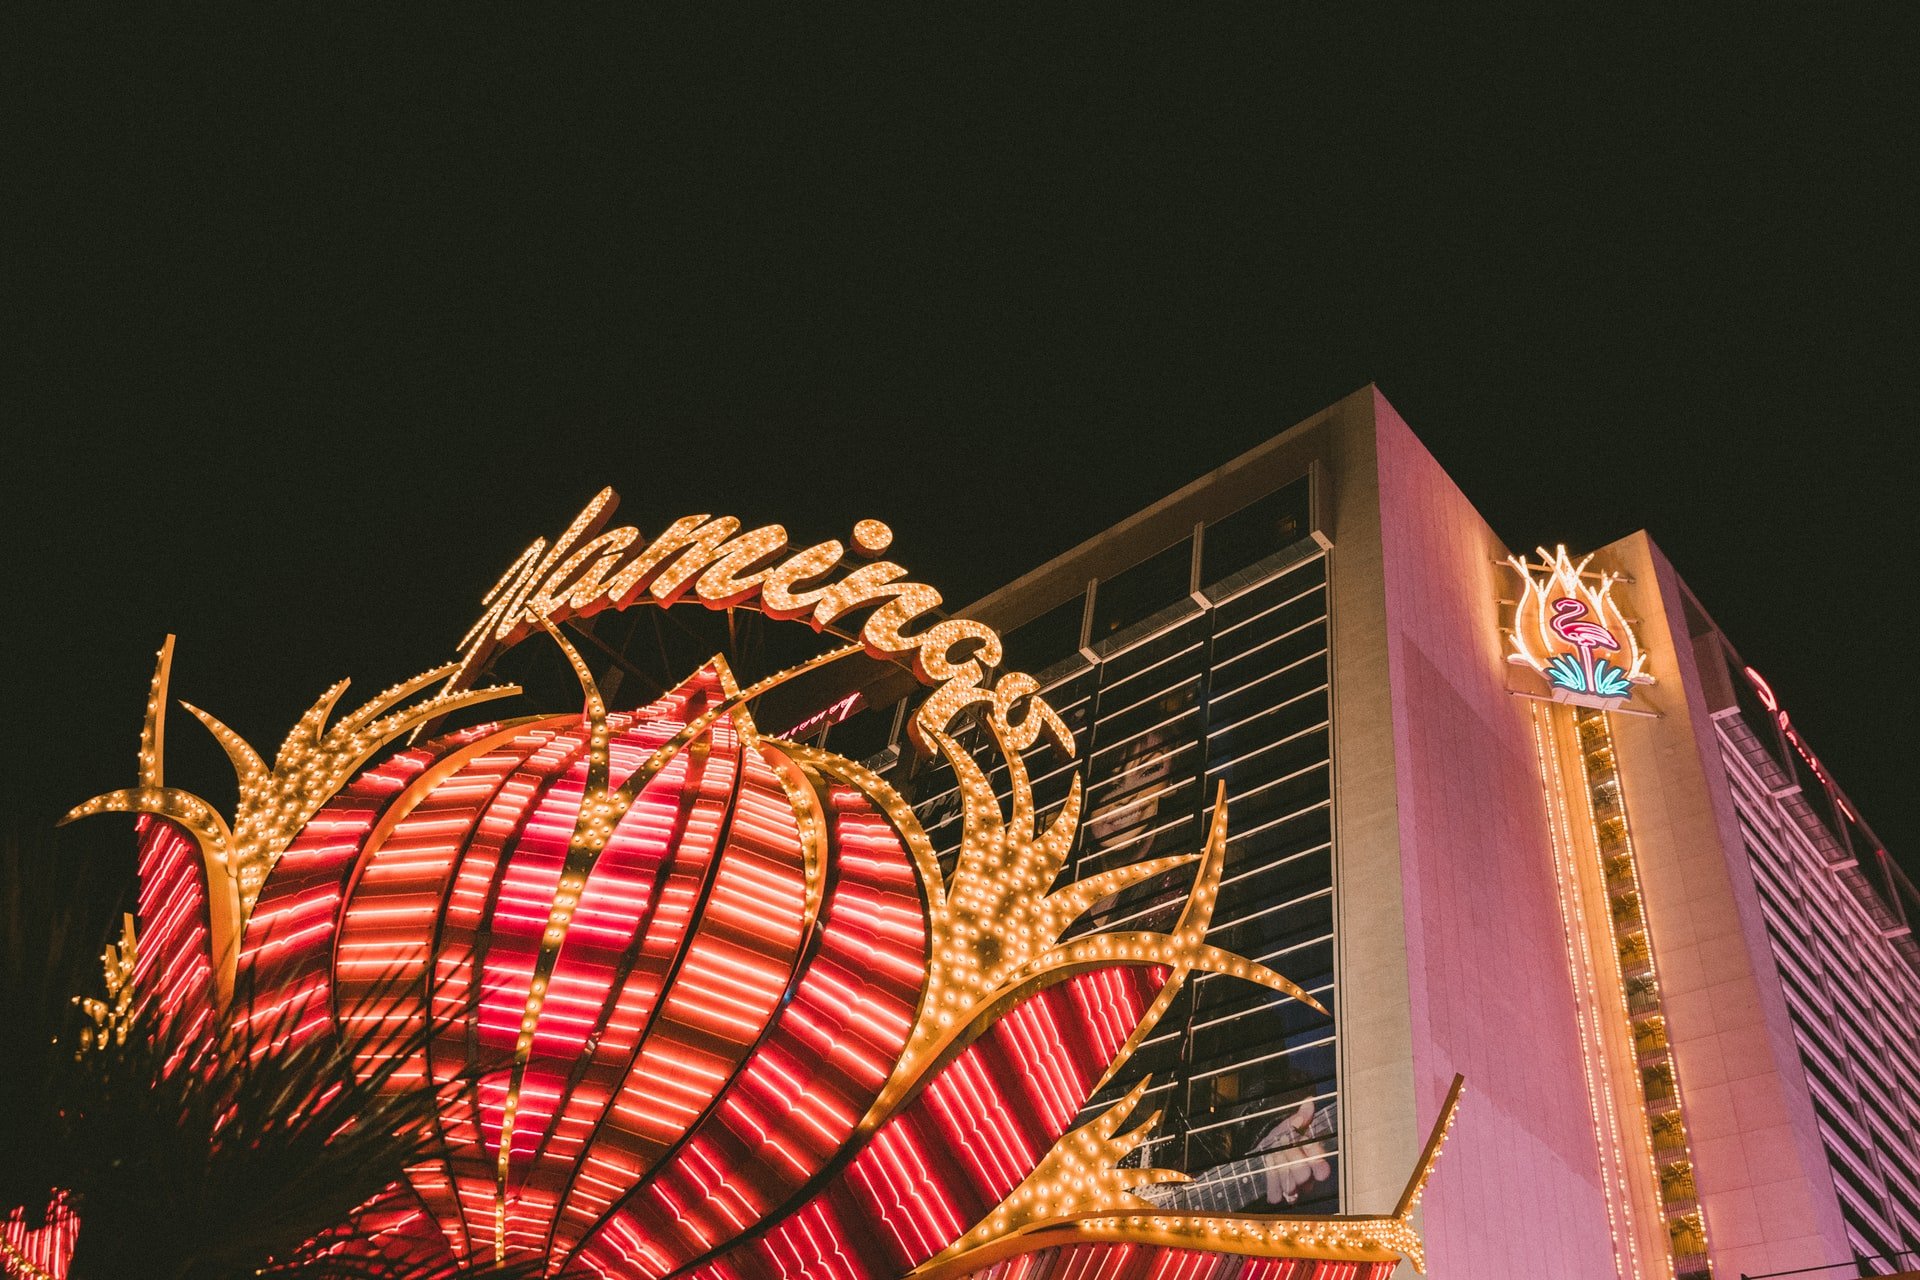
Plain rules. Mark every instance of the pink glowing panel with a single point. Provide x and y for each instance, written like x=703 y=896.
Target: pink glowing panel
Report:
x=173 y=959
x=288 y=942
x=943 y=1163
x=811 y=1078
x=737 y=967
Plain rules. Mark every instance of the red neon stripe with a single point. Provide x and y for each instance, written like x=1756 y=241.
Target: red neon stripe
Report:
x=49 y=1246
x=671 y=836
x=555 y=744
x=957 y=1150
x=173 y=960
x=382 y=960
x=797 y=1100
x=738 y=966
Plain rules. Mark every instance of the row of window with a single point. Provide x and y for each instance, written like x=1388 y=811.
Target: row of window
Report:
x=1233 y=551
x=1234 y=693
x=1855 y=1008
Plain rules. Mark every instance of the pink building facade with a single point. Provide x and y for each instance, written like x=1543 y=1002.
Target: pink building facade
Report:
x=1615 y=891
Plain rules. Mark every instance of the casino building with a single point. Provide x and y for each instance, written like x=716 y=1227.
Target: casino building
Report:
x=1143 y=920
x=1621 y=896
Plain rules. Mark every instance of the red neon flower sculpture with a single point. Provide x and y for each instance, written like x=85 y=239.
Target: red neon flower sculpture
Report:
x=704 y=1004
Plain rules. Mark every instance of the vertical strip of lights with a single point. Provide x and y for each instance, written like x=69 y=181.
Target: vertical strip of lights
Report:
x=1614 y=1179
x=1666 y=1131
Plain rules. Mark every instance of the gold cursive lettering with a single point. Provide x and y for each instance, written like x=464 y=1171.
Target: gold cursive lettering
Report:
x=587 y=570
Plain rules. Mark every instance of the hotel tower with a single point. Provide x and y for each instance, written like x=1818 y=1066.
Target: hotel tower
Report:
x=1521 y=814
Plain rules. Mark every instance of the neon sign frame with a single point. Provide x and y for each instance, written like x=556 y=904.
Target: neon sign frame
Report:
x=1565 y=616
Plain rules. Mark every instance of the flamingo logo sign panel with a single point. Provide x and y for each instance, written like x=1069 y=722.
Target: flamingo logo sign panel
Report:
x=1568 y=628
x=703 y=1002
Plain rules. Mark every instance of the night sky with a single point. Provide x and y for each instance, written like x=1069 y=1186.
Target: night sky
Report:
x=311 y=327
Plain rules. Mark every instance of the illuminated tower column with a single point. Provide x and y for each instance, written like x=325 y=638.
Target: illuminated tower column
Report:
x=1761 y=1173
x=1446 y=873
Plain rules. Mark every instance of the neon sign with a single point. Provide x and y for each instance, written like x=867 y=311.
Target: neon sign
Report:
x=711 y=1008
x=589 y=568
x=1568 y=628
x=1794 y=740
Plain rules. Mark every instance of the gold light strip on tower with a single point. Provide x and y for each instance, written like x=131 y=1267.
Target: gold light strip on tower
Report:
x=1638 y=1121
x=1665 y=1128
x=1615 y=1180
x=1563 y=622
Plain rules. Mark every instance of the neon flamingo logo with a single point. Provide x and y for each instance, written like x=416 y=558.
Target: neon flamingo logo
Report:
x=1571 y=623
x=1565 y=619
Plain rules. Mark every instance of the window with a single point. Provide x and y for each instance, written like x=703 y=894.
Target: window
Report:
x=1256 y=531
x=1140 y=592
x=1054 y=635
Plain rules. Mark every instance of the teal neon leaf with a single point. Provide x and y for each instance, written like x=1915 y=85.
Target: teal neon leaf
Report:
x=1610 y=681
x=1564 y=672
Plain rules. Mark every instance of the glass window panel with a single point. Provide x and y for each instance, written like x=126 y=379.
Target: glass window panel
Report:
x=1246 y=644
x=1299 y=877
x=1140 y=734
x=1070 y=689
x=1239 y=694
x=1158 y=1057
x=1143 y=800
x=1150 y=819
x=1283 y=719
x=1275 y=760
x=1055 y=634
x=1154 y=682
x=1253 y=1036
x=1173 y=834
x=1278 y=1159
x=1306 y=1181
x=1148 y=653
x=1250 y=808
x=1264 y=1016
x=1277 y=841
x=1050 y=792
x=1137 y=593
x=1263 y=597
x=1077 y=715
x=1256 y=531
x=1310 y=967
x=1306 y=1070
x=1277 y=929
x=1158 y=758
x=1155 y=912
x=939 y=809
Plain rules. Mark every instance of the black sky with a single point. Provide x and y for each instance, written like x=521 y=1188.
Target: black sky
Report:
x=311 y=325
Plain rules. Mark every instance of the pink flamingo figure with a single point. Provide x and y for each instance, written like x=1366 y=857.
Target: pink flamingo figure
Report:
x=1571 y=623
